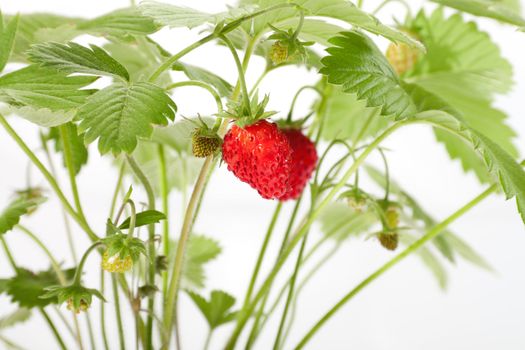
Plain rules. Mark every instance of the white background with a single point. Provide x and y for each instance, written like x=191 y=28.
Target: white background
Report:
x=403 y=310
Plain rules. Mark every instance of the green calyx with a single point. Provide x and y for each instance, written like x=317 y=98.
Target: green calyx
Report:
x=248 y=115
x=123 y=246
x=205 y=140
x=287 y=46
x=78 y=298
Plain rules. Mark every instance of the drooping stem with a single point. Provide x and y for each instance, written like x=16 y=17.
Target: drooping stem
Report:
x=434 y=232
x=200 y=84
x=80 y=267
x=262 y=253
x=294 y=101
x=49 y=177
x=51 y=325
x=151 y=247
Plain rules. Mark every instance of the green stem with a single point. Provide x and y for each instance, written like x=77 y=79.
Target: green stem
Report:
x=120 y=326
x=68 y=157
x=117 y=189
x=8 y=253
x=80 y=267
x=294 y=101
x=10 y=343
x=205 y=86
x=90 y=332
x=50 y=179
x=164 y=189
x=384 y=3
x=262 y=253
x=208 y=340
x=398 y=258
x=103 y=311
x=277 y=342
x=240 y=70
x=151 y=247
x=54 y=263
x=302 y=230
x=171 y=300
x=51 y=325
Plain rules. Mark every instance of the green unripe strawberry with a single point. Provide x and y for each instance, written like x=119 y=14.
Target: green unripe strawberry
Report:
x=204 y=142
x=389 y=240
x=279 y=53
x=401 y=56
x=392 y=217
x=116 y=264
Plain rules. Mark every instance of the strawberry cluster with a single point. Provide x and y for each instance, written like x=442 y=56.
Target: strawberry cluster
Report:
x=276 y=162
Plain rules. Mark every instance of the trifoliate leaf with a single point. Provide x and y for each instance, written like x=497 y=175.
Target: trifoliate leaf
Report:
x=495 y=9
x=27 y=287
x=79 y=151
x=7 y=39
x=179 y=16
x=14 y=318
x=120 y=113
x=216 y=310
x=339 y=221
x=466 y=76
x=39 y=88
x=74 y=58
x=11 y=215
x=121 y=23
x=342 y=10
x=144 y=218
x=200 y=250
x=355 y=63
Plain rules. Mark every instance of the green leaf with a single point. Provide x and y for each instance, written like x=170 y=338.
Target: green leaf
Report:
x=7 y=39
x=40 y=88
x=200 y=251
x=181 y=16
x=10 y=216
x=465 y=251
x=76 y=144
x=26 y=287
x=500 y=164
x=217 y=310
x=121 y=23
x=339 y=221
x=342 y=10
x=120 y=113
x=465 y=68
x=144 y=218
x=41 y=116
x=14 y=318
x=75 y=58
x=36 y=28
x=355 y=63
x=495 y=9
x=316 y=30
x=347 y=117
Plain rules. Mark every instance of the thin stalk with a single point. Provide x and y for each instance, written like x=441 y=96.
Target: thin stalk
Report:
x=208 y=339
x=173 y=288
x=68 y=157
x=262 y=253
x=164 y=191
x=240 y=70
x=10 y=343
x=245 y=313
x=433 y=233
x=120 y=326
x=151 y=247
x=384 y=3
x=103 y=311
x=295 y=98
x=90 y=332
x=80 y=267
x=54 y=263
x=50 y=179
x=8 y=253
x=51 y=325
x=200 y=84
x=277 y=342
x=65 y=322
x=117 y=189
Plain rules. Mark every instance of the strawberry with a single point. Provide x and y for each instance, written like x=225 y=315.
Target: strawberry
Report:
x=304 y=160
x=204 y=143
x=260 y=155
x=389 y=240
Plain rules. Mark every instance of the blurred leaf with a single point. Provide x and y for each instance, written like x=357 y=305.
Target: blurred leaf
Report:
x=7 y=38
x=196 y=73
x=11 y=215
x=506 y=11
x=339 y=221
x=41 y=116
x=76 y=144
x=144 y=218
x=12 y=319
x=355 y=63
x=217 y=309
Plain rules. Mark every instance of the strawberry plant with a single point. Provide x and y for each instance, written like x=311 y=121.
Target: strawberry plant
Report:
x=439 y=69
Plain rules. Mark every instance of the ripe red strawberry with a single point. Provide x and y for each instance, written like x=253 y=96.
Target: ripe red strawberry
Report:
x=260 y=155
x=304 y=160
